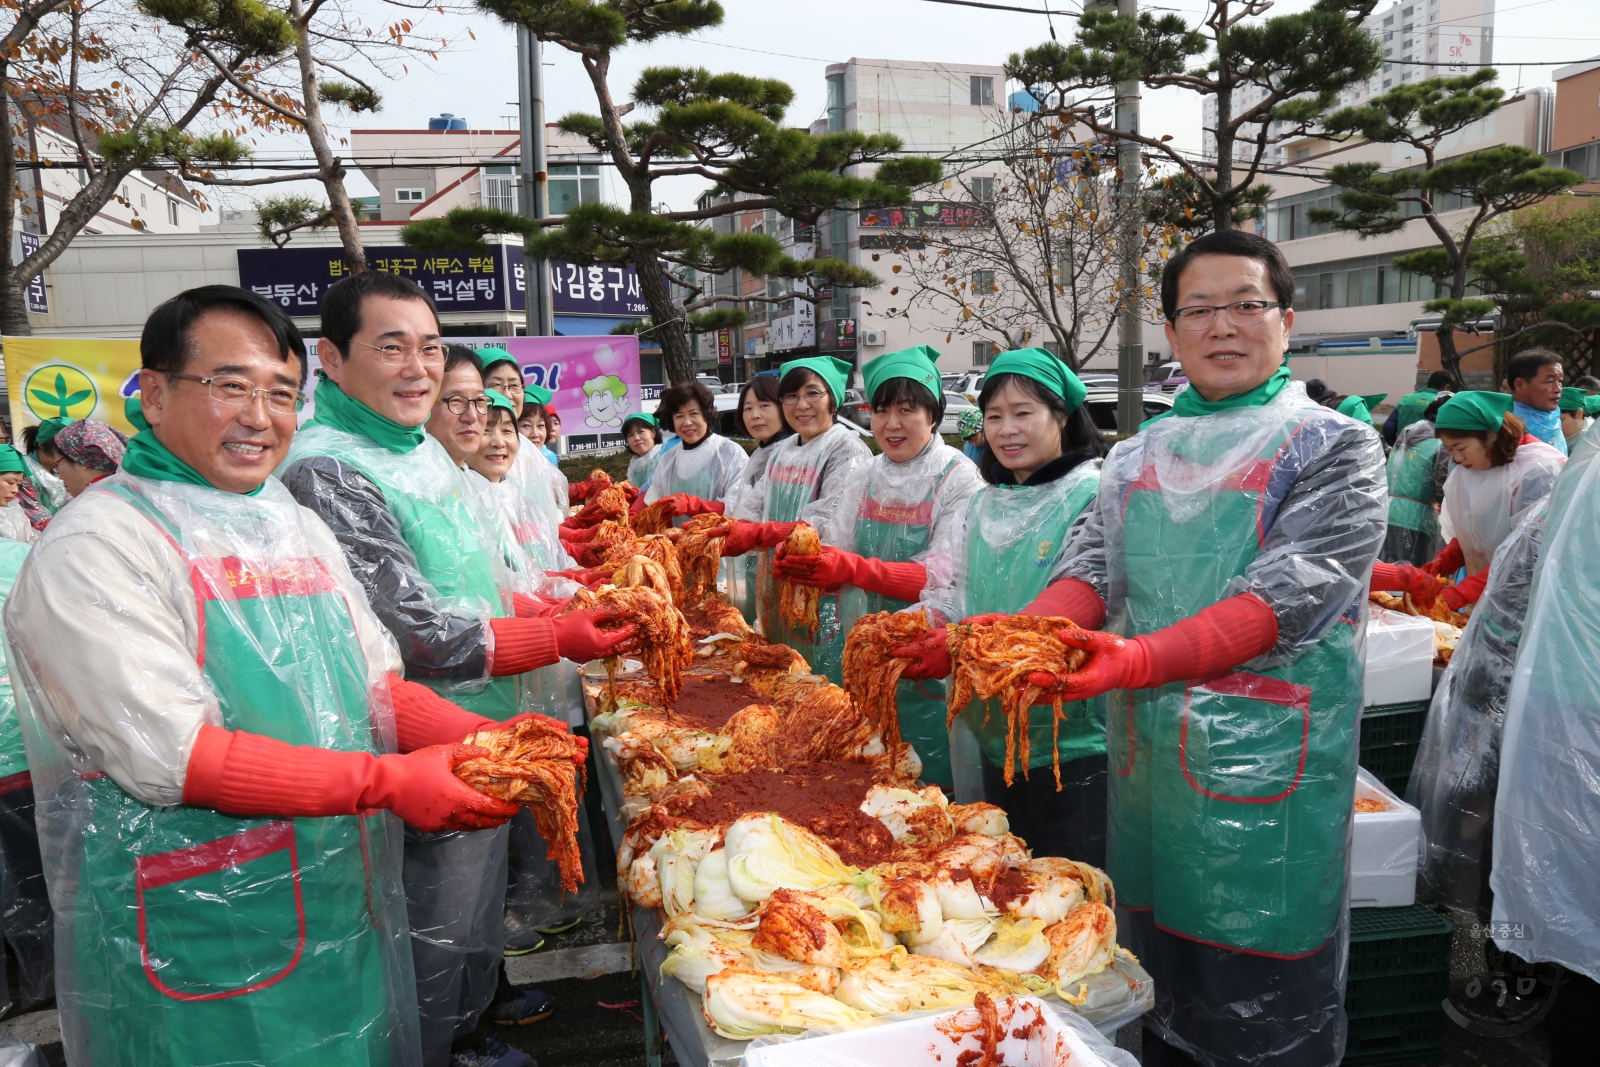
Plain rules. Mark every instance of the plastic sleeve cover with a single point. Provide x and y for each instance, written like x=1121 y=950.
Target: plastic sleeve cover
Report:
x=1457 y=765
x=434 y=642
x=744 y=501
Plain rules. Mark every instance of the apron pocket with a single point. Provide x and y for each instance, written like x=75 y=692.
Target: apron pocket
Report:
x=1244 y=737
x=223 y=918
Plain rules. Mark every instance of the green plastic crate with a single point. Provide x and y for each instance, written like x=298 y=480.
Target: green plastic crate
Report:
x=1399 y=975
x=1390 y=734
x=1407 y=1037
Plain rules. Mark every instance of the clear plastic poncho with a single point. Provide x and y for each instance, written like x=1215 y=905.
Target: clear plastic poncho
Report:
x=14 y=524
x=1454 y=780
x=710 y=470
x=536 y=478
x=52 y=491
x=1546 y=876
x=1481 y=507
x=746 y=498
x=641 y=468
x=186 y=936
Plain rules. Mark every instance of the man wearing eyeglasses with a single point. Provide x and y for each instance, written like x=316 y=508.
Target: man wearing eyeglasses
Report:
x=1229 y=552
x=410 y=529
x=214 y=715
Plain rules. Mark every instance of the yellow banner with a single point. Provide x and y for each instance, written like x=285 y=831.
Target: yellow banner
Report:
x=69 y=377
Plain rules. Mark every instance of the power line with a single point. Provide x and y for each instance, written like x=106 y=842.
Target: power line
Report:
x=1004 y=7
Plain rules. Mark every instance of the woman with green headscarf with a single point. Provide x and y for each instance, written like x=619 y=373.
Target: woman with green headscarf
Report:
x=1575 y=415
x=805 y=478
x=896 y=530
x=14 y=524
x=1041 y=463
x=42 y=456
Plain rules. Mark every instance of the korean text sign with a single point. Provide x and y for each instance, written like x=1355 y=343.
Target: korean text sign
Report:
x=298 y=278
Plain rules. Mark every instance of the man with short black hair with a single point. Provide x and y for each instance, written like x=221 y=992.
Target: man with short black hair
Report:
x=412 y=531
x=1534 y=380
x=1229 y=549
x=214 y=718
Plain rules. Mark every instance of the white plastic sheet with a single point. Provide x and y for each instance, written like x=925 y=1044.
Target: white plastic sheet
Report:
x=1481 y=507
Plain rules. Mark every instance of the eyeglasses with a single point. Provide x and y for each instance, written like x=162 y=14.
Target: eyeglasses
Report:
x=810 y=396
x=239 y=392
x=396 y=355
x=1240 y=313
x=458 y=405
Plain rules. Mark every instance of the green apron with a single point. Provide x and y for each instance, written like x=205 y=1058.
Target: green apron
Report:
x=1411 y=407
x=13 y=757
x=202 y=938
x=1015 y=539
x=448 y=531
x=1411 y=487
x=1230 y=801
x=895 y=534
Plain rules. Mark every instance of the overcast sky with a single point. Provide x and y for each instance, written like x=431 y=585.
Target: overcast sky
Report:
x=794 y=41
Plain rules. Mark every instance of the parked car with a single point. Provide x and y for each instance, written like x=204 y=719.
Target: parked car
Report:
x=1102 y=404
x=856 y=409
x=954 y=405
x=969 y=384
x=713 y=384
x=1168 y=378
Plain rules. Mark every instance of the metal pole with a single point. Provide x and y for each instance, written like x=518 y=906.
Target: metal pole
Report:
x=535 y=191
x=1130 y=324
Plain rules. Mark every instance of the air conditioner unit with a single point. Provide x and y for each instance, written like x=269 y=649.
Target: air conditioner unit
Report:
x=872 y=337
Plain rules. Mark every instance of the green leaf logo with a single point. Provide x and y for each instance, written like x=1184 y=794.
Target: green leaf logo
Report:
x=59 y=391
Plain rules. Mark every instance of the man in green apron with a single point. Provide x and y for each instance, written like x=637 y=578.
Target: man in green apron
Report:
x=413 y=533
x=897 y=519
x=1232 y=542
x=1409 y=408
x=1360 y=406
x=214 y=720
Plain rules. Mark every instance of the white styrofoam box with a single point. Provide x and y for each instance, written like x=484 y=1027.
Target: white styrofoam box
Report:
x=1399 y=657
x=1384 y=849
x=938 y=1039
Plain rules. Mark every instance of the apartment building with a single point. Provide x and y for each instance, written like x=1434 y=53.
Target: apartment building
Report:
x=1420 y=38
x=1575 y=128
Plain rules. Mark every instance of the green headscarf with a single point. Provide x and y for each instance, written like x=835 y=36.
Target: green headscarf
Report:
x=537 y=394
x=1573 y=398
x=488 y=357
x=914 y=363
x=1044 y=368
x=1360 y=407
x=835 y=372
x=1189 y=404
x=1591 y=405
x=336 y=409
x=11 y=460
x=48 y=430
x=498 y=399
x=642 y=417
x=133 y=411
x=1474 y=411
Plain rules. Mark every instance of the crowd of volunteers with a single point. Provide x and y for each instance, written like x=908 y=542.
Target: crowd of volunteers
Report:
x=244 y=651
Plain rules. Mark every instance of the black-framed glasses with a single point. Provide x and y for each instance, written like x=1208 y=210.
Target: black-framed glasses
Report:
x=1240 y=313
x=398 y=355
x=458 y=405
x=226 y=389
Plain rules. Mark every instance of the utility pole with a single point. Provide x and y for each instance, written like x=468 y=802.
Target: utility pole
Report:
x=535 y=192
x=1130 y=325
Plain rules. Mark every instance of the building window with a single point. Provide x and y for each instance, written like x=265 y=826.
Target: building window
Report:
x=983 y=190
x=838 y=233
x=983 y=352
x=982 y=92
x=172 y=212
x=572 y=184
x=841 y=302
x=983 y=283
x=1389 y=21
x=126 y=199
x=410 y=196
x=835 y=103
x=142 y=201
x=500 y=188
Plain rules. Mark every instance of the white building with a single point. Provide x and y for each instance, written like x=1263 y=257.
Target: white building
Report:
x=1420 y=38
x=148 y=201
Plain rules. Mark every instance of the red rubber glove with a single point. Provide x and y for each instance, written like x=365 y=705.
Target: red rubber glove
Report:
x=929 y=656
x=249 y=774
x=836 y=567
x=636 y=505
x=580 y=638
x=588 y=556
x=686 y=504
x=537 y=606
x=1466 y=591
x=578 y=492
x=423 y=718
x=577 y=535
x=522 y=645
x=742 y=537
x=588 y=577
x=1422 y=586
x=1070 y=598
x=1228 y=633
x=1449 y=560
